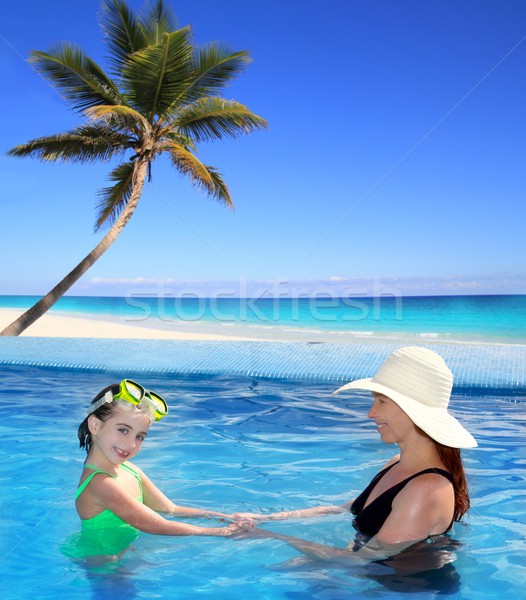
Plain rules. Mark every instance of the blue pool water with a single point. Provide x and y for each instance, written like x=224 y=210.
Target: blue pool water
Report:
x=238 y=443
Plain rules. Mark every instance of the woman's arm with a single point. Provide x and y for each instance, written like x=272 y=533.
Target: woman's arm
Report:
x=372 y=551
x=421 y=556
x=159 y=502
x=302 y=513
x=108 y=494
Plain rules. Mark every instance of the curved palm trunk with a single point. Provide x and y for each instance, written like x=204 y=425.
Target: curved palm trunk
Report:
x=45 y=303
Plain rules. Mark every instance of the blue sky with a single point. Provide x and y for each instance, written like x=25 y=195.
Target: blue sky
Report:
x=395 y=159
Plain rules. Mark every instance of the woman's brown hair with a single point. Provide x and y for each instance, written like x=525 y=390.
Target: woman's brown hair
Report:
x=453 y=463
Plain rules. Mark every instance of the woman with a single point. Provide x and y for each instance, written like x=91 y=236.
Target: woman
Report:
x=422 y=490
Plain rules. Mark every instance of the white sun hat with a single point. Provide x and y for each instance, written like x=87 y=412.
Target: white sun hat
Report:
x=420 y=382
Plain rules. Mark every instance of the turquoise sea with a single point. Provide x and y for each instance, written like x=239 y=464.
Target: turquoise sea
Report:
x=429 y=318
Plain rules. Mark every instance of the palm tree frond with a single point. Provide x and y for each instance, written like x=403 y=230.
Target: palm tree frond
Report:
x=118 y=116
x=215 y=67
x=221 y=191
x=157 y=19
x=214 y=118
x=123 y=32
x=82 y=82
x=158 y=74
x=83 y=144
x=201 y=175
x=112 y=200
x=178 y=138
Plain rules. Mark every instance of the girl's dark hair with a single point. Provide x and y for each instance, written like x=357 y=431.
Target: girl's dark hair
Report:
x=453 y=463
x=104 y=412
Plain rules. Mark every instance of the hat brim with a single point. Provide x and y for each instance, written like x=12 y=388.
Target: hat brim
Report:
x=438 y=423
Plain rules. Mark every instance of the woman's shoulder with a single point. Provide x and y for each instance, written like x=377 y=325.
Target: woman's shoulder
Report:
x=428 y=486
x=391 y=462
x=427 y=495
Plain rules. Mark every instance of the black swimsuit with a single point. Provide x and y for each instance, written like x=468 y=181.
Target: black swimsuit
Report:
x=369 y=520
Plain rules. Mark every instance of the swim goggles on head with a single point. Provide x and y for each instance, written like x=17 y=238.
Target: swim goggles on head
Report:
x=135 y=393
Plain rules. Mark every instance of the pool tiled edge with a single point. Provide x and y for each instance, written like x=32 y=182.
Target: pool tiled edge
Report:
x=496 y=367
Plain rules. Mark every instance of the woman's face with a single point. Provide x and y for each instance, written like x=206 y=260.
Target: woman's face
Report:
x=120 y=437
x=392 y=423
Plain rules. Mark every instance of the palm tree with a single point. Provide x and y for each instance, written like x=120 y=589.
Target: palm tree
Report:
x=162 y=98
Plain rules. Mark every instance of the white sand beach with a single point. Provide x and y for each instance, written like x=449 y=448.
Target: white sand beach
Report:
x=53 y=325
x=63 y=325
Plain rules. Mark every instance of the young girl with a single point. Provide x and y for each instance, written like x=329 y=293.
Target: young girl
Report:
x=422 y=490
x=115 y=499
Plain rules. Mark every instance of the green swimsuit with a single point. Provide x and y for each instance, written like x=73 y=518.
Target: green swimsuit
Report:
x=104 y=534
x=106 y=518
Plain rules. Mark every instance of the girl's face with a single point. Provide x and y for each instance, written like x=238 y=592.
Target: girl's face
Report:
x=120 y=437
x=392 y=423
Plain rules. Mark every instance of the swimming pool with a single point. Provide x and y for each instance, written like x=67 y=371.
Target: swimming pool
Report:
x=240 y=442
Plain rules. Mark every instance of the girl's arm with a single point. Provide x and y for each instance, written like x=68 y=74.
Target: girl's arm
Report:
x=159 y=502
x=108 y=494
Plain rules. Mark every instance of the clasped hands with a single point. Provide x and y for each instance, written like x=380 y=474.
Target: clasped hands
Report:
x=244 y=526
